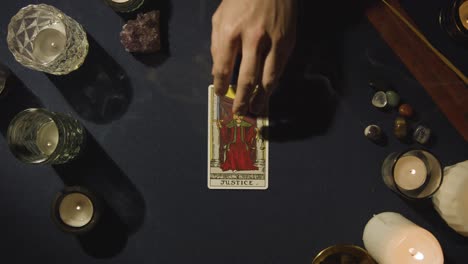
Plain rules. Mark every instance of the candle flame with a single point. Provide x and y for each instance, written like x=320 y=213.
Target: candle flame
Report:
x=416 y=254
x=78 y=207
x=413 y=171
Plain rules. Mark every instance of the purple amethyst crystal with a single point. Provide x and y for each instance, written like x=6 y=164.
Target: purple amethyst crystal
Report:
x=142 y=34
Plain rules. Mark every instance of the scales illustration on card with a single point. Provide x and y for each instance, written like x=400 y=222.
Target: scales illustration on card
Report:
x=237 y=151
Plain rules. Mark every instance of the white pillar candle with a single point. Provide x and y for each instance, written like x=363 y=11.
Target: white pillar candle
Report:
x=47 y=138
x=49 y=43
x=76 y=210
x=390 y=238
x=410 y=172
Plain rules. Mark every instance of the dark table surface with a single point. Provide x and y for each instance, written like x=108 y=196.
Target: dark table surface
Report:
x=147 y=157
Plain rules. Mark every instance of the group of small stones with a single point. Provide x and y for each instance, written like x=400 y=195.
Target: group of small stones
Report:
x=388 y=100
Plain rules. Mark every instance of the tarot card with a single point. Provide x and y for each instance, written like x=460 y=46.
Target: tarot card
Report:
x=237 y=152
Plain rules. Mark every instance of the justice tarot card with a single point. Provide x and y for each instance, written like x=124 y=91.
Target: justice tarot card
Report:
x=237 y=152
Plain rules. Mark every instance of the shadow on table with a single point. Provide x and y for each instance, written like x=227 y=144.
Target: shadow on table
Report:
x=304 y=108
x=99 y=91
x=15 y=98
x=108 y=238
x=304 y=104
x=165 y=9
x=426 y=209
x=124 y=206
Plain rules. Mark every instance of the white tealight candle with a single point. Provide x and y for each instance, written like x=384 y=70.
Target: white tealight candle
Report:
x=49 y=43
x=47 y=138
x=390 y=238
x=76 y=210
x=463 y=13
x=410 y=172
x=120 y=1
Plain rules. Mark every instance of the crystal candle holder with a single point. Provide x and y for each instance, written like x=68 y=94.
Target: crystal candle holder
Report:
x=38 y=136
x=125 y=6
x=413 y=174
x=451 y=200
x=76 y=210
x=4 y=73
x=43 y=38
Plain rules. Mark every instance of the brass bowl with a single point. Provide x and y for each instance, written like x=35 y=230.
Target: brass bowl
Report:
x=343 y=254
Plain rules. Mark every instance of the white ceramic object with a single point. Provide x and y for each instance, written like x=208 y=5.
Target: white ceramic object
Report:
x=451 y=200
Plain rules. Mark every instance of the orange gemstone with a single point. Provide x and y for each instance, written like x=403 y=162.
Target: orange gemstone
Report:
x=405 y=110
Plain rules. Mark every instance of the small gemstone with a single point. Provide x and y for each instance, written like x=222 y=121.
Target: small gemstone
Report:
x=405 y=110
x=422 y=134
x=400 y=129
x=393 y=98
x=373 y=132
x=142 y=34
x=379 y=100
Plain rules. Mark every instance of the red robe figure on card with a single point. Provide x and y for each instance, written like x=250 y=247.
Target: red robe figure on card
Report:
x=239 y=138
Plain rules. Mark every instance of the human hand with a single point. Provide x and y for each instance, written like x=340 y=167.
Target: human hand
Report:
x=264 y=32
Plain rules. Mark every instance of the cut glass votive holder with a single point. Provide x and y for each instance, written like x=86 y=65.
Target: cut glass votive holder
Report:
x=38 y=136
x=43 y=38
x=4 y=73
x=413 y=174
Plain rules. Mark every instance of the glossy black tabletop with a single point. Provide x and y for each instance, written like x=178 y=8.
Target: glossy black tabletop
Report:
x=147 y=157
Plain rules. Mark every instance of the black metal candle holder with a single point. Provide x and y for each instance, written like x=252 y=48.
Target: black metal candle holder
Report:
x=71 y=229
x=125 y=6
x=452 y=23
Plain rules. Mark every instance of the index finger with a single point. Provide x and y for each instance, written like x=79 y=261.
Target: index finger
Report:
x=248 y=72
x=224 y=53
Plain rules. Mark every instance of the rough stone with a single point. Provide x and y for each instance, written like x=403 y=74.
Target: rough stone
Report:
x=142 y=35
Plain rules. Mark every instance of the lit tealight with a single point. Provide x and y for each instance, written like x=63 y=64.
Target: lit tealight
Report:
x=47 y=138
x=410 y=172
x=76 y=209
